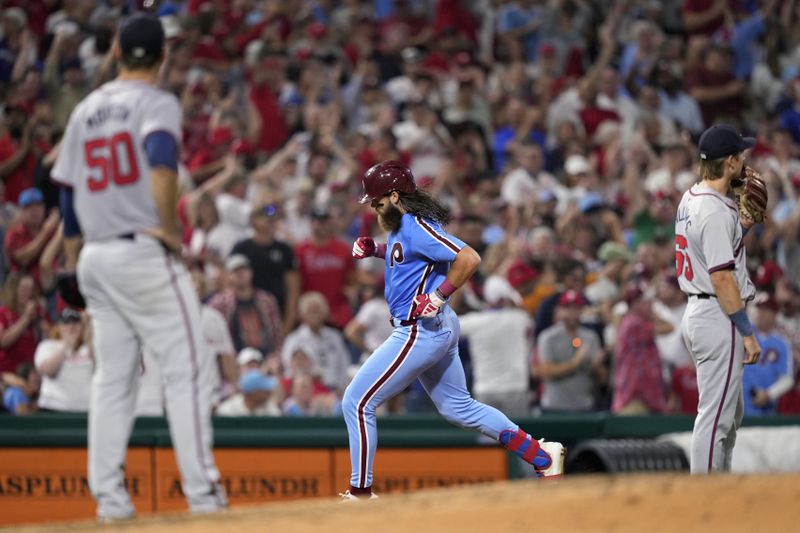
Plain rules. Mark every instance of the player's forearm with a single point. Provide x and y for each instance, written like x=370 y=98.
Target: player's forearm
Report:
x=727 y=291
x=464 y=266
x=164 y=183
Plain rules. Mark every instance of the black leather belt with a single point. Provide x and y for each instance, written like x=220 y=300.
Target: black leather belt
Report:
x=702 y=296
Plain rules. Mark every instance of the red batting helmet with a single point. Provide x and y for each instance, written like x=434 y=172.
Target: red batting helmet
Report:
x=386 y=177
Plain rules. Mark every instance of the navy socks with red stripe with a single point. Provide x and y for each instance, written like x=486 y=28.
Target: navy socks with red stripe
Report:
x=523 y=445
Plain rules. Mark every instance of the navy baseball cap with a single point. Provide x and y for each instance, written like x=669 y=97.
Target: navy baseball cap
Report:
x=141 y=35
x=721 y=141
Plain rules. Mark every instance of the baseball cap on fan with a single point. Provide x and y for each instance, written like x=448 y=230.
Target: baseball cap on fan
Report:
x=255 y=381
x=765 y=300
x=249 y=354
x=497 y=288
x=572 y=298
x=721 y=141
x=520 y=273
x=69 y=315
x=141 y=36
x=236 y=261
x=30 y=196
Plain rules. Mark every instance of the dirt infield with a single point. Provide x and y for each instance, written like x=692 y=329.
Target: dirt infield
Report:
x=640 y=503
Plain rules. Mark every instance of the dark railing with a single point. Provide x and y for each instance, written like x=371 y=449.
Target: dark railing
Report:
x=43 y=430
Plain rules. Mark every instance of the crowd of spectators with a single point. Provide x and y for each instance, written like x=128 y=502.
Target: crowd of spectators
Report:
x=561 y=133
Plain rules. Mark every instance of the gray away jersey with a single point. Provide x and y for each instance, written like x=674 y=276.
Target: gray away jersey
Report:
x=708 y=238
x=102 y=156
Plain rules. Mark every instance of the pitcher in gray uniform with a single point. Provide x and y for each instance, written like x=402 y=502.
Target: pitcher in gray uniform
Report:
x=710 y=261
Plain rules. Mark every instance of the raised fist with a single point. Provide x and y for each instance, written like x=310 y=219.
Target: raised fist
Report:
x=364 y=247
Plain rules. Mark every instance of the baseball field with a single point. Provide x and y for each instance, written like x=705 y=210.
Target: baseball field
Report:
x=636 y=503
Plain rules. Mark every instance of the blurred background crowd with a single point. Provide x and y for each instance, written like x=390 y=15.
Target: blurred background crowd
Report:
x=562 y=134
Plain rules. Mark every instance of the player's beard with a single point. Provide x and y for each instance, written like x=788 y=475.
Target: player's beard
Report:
x=390 y=220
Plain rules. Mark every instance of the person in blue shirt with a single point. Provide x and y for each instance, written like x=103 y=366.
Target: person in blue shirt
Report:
x=521 y=20
x=765 y=382
x=747 y=28
x=424 y=266
x=790 y=117
x=19 y=397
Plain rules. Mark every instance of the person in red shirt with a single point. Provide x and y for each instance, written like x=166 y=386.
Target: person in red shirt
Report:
x=452 y=14
x=684 y=395
x=407 y=28
x=197 y=105
x=210 y=159
x=591 y=114
x=18 y=147
x=704 y=17
x=638 y=381
x=327 y=266
x=252 y=315
x=22 y=322
x=26 y=240
x=717 y=91
x=263 y=92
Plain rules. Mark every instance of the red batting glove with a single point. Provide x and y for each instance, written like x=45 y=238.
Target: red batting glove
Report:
x=364 y=247
x=427 y=305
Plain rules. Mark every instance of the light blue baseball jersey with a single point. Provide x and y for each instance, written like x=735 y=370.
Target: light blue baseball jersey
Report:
x=775 y=361
x=418 y=257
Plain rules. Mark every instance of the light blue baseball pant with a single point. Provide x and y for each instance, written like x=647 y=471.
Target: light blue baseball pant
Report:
x=427 y=350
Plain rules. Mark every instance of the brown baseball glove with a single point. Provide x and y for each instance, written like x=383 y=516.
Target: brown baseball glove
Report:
x=751 y=194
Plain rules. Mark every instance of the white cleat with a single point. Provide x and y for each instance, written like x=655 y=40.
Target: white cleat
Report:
x=557 y=452
x=347 y=497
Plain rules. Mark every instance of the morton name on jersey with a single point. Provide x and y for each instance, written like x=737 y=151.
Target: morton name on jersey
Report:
x=103 y=159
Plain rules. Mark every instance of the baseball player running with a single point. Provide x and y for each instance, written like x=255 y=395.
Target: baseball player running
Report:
x=424 y=266
x=710 y=262
x=118 y=163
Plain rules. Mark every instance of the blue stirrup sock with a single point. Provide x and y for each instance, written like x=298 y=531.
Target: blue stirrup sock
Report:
x=523 y=445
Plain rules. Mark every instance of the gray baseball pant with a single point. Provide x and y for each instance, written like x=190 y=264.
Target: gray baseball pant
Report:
x=718 y=352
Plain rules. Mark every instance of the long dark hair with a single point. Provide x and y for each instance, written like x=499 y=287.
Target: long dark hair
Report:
x=420 y=203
